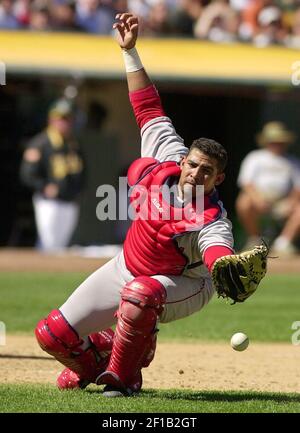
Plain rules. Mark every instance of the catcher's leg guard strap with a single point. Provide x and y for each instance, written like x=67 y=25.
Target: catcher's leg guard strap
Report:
x=142 y=300
x=59 y=339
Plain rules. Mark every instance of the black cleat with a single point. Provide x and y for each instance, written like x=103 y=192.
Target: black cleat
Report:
x=112 y=392
x=115 y=387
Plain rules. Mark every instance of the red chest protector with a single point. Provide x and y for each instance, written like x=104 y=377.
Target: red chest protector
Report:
x=150 y=246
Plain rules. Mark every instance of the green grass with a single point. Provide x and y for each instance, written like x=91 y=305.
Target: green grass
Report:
x=38 y=398
x=26 y=297
x=266 y=316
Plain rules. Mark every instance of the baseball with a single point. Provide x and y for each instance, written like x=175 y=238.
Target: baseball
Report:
x=239 y=341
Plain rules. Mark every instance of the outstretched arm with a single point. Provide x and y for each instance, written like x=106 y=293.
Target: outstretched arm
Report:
x=159 y=138
x=143 y=95
x=127 y=32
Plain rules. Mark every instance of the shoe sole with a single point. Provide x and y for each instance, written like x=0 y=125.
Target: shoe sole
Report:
x=113 y=393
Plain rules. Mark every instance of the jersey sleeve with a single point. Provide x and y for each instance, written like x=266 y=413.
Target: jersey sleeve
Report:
x=159 y=138
x=161 y=141
x=218 y=233
x=32 y=173
x=213 y=253
x=146 y=105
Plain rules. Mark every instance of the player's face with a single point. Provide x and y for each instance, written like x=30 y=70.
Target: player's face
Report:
x=199 y=169
x=62 y=124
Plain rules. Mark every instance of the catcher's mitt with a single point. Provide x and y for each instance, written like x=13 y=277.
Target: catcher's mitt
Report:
x=237 y=276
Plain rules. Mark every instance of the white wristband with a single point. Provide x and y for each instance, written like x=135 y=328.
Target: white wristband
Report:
x=132 y=60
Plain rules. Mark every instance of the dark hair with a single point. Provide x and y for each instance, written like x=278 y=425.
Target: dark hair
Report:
x=212 y=149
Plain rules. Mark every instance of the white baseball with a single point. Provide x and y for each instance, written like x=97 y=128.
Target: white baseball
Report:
x=239 y=341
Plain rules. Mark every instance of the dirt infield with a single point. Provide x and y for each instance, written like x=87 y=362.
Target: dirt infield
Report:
x=205 y=366
x=18 y=260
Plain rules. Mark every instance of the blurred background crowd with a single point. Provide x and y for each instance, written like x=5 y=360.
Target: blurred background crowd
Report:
x=67 y=128
x=260 y=22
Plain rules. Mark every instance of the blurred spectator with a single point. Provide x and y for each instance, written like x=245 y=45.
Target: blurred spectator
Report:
x=139 y=8
x=117 y=5
x=158 y=20
x=218 y=22
x=239 y=5
x=269 y=179
x=94 y=17
x=22 y=11
x=182 y=18
x=8 y=20
x=39 y=16
x=262 y=22
x=249 y=15
x=293 y=40
x=270 y=29
x=63 y=16
x=53 y=167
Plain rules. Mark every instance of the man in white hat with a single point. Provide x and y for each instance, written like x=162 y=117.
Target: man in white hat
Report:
x=269 y=179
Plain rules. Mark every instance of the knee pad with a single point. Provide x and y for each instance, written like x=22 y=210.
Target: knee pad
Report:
x=142 y=300
x=56 y=337
x=146 y=292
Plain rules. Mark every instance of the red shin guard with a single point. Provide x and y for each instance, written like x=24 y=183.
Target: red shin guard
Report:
x=142 y=300
x=59 y=339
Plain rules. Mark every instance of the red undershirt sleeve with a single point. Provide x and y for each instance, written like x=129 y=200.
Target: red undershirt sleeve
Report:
x=146 y=104
x=213 y=253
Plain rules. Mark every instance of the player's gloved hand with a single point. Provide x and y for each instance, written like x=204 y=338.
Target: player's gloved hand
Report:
x=237 y=276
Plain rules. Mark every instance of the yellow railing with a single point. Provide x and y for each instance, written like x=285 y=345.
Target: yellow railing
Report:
x=163 y=58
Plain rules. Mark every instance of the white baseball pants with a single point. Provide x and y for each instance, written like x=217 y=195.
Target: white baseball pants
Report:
x=92 y=305
x=56 y=221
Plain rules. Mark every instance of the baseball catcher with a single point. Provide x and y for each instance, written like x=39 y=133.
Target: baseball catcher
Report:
x=178 y=251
